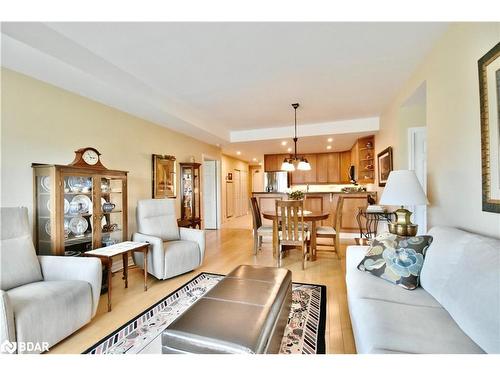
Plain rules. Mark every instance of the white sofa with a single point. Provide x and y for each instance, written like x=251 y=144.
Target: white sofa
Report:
x=456 y=309
x=42 y=299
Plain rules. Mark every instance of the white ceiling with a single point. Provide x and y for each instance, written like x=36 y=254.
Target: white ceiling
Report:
x=210 y=79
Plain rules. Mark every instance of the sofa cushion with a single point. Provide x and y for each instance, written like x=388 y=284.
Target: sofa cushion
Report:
x=48 y=311
x=462 y=272
x=396 y=259
x=157 y=217
x=19 y=264
x=363 y=285
x=382 y=326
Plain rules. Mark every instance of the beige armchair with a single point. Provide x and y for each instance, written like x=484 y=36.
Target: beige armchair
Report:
x=174 y=250
x=42 y=299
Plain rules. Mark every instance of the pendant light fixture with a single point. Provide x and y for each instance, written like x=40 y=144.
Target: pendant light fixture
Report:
x=294 y=162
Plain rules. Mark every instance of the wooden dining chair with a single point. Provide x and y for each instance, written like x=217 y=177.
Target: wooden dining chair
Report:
x=259 y=230
x=333 y=231
x=293 y=232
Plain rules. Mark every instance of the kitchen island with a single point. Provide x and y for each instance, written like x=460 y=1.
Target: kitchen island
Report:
x=322 y=201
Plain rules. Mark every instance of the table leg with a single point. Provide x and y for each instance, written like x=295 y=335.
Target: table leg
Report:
x=110 y=283
x=145 y=252
x=313 y=240
x=358 y=219
x=125 y=268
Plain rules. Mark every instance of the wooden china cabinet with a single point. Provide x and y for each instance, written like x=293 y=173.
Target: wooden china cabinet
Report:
x=78 y=207
x=190 y=195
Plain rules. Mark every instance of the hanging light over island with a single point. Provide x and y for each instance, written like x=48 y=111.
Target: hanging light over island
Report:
x=294 y=162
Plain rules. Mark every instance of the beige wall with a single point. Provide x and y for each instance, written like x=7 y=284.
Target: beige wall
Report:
x=229 y=165
x=44 y=124
x=409 y=117
x=453 y=127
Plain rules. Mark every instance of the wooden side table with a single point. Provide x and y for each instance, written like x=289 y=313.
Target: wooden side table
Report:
x=106 y=254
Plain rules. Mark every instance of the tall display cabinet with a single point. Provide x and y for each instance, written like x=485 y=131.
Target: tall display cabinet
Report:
x=190 y=195
x=78 y=207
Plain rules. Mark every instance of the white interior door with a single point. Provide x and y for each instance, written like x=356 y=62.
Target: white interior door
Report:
x=417 y=161
x=210 y=194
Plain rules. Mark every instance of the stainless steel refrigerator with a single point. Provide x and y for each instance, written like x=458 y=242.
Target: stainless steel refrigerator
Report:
x=276 y=182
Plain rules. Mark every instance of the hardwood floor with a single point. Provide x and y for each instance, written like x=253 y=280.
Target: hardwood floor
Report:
x=225 y=249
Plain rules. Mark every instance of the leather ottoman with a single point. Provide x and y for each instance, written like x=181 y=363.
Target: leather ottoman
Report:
x=246 y=312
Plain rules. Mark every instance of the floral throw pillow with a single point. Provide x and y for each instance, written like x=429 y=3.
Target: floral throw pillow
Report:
x=396 y=259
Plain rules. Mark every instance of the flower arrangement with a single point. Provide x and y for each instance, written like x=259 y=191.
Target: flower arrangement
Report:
x=296 y=195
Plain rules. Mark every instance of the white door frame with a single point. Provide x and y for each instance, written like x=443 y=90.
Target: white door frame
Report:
x=205 y=157
x=412 y=163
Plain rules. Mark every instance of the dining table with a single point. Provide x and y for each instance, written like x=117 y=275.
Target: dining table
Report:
x=311 y=217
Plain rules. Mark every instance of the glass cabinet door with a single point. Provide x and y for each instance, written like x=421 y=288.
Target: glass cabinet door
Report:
x=112 y=226
x=44 y=212
x=187 y=193
x=78 y=214
x=196 y=192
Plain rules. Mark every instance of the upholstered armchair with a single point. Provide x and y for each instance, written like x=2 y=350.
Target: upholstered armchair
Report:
x=42 y=299
x=174 y=250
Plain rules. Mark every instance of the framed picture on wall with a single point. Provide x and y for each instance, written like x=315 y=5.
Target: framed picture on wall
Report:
x=489 y=98
x=164 y=172
x=384 y=164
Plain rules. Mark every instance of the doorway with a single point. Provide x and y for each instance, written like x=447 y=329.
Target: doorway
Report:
x=417 y=161
x=210 y=194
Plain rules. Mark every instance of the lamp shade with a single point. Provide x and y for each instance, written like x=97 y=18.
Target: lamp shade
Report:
x=403 y=189
x=287 y=166
x=304 y=165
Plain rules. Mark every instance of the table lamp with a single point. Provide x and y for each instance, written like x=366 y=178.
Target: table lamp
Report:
x=403 y=189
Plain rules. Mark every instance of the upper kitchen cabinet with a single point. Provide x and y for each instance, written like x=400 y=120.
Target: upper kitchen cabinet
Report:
x=328 y=168
x=306 y=177
x=345 y=164
x=332 y=167
x=333 y=174
x=322 y=168
x=272 y=163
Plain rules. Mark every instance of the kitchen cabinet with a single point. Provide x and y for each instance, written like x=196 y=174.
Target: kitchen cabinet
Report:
x=333 y=168
x=272 y=162
x=345 y=163
x=306 y=177
x=322 y=168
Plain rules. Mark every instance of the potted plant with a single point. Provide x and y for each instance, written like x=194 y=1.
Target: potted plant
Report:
x=296 y=195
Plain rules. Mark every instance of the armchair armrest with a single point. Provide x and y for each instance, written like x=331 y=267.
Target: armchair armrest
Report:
x=196 y=235
x=7 y=326
x=56 y=268
x=156 y=256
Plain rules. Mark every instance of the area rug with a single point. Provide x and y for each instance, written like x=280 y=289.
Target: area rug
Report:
x=304 y=333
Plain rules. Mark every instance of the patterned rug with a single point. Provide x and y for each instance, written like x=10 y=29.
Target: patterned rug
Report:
x=304 y=334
